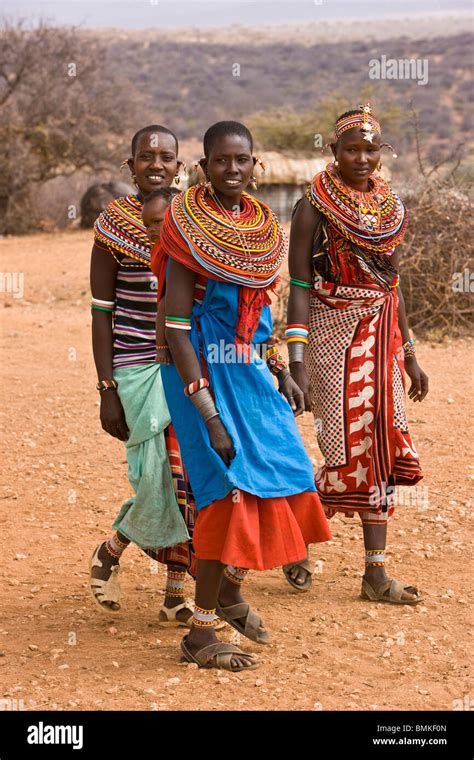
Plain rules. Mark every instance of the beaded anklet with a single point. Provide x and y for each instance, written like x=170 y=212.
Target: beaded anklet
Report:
x=175 y=580
x=203 y=618
x=115 y=547
x=235 y=575
x=375 y=558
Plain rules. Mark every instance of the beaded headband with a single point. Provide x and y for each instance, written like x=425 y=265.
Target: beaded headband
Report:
x=365 y=120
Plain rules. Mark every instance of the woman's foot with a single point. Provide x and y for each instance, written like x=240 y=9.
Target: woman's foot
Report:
x=103 y=579
x=197 y=640
x=377 y=586
x=182 y=616
x=298 y=574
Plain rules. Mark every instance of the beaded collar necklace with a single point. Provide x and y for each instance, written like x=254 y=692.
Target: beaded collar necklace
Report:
x=121 y=229
x=375 y=220
x=248 y=249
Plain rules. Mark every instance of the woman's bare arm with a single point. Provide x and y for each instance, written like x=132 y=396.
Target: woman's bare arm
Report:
x=179 y=303
x=419 y=380
x=303 y=227
x=103 y=275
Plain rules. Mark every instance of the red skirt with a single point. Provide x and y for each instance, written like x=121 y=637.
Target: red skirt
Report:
x=259 y=534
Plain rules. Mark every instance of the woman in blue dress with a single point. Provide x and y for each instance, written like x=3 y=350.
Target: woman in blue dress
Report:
x=253 y=482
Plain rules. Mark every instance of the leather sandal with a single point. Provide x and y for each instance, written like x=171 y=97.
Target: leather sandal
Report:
x=169 y=619
x=304 y=564
x=253 y=627
x=105 y=591
x=217 y=655
x=398 y=593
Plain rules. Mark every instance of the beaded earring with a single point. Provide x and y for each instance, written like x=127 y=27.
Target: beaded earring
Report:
x=253 y=180
x=387 y=145
x=133 y=175
x=182 y=166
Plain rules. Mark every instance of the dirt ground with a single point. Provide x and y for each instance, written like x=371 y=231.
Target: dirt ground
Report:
x=64 y=480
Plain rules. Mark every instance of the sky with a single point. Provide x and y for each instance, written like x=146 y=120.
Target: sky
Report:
x=139 y=14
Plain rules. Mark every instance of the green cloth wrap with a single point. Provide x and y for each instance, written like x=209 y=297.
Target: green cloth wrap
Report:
x=151 y=519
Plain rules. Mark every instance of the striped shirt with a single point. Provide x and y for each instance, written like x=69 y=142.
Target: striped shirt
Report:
x=135 y=315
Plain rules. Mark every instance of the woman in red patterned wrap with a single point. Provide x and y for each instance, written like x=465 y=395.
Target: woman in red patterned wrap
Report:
x=349 y=342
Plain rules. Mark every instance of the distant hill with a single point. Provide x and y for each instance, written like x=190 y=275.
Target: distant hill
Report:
x=188 y=81
x=411 y=25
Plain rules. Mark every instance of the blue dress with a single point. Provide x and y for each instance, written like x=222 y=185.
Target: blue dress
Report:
x=270 y=459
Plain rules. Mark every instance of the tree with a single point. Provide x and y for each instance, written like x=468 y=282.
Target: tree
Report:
x=58 y=113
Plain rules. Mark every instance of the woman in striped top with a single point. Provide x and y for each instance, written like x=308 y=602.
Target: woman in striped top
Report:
x=159 y=518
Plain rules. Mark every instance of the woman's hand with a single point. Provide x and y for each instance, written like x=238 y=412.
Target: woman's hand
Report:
x=220 y=439
x=112 y=416
x=291 y=391
x=419 y=380
x=300 y=376
x=163 y=355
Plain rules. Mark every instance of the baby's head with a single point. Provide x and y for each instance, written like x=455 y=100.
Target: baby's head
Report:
x=153 y=210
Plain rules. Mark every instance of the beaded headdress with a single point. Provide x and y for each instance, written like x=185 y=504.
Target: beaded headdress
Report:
x=365 y=120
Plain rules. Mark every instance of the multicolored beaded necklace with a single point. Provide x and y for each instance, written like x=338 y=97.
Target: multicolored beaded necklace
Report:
x=247 y=248
x=375 y=220
x=121 y=229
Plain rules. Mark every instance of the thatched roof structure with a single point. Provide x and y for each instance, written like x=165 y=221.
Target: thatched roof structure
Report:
x=287 y=170
x=280 y=169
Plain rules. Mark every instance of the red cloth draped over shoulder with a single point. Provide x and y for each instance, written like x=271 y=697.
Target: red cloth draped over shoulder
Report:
x=172 y=245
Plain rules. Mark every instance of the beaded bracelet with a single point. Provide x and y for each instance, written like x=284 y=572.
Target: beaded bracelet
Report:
x=297 y=333
x=195 y=386
x=409 y=348
x=179 y=323
x=275 y=361
x=300 y=283
x=106 y=385
x=99 y=305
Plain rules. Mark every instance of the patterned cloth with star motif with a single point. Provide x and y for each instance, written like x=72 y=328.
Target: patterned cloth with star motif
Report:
x=354 y=360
